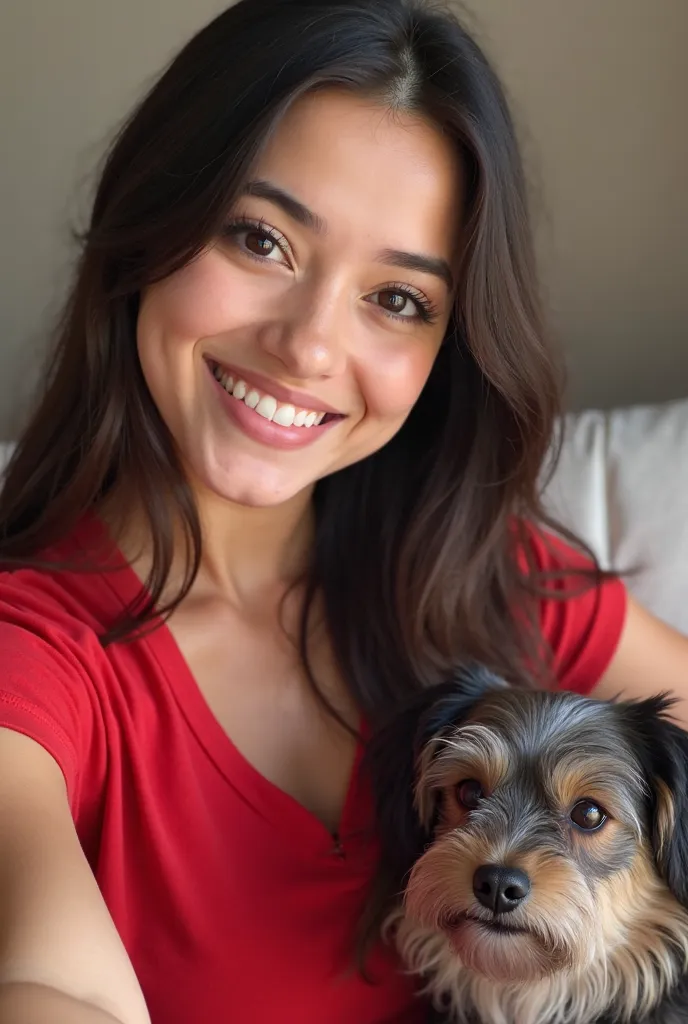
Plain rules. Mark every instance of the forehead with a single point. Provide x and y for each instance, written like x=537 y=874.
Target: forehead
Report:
x=368 y=172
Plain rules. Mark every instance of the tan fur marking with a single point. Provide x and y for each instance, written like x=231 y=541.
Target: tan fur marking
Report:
x=571 y=781
x=470 y=752
x=568 y=785
x=666 y=814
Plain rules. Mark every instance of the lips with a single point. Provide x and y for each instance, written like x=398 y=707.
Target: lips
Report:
x=261 y=418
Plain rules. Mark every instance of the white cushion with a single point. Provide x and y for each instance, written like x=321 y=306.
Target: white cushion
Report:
x=622 y=485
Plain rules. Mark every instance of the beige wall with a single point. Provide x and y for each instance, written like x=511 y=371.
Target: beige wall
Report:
x=600 y=89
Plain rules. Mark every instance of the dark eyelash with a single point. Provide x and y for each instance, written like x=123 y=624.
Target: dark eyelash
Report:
x=235 y=227
x=427 y=310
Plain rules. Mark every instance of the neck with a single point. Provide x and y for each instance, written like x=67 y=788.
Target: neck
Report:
x=246 y=552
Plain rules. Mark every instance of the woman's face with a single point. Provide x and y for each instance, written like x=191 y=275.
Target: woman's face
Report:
x=300 y=340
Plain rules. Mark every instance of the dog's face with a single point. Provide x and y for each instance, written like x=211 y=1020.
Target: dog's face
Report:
x=548 y=828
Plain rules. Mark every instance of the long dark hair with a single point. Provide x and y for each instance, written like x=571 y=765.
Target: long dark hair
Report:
x=416 y=546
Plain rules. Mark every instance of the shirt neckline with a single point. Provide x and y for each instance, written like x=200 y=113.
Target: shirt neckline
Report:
x=274 y=804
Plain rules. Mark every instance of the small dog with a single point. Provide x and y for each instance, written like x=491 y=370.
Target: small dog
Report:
x=542 y=843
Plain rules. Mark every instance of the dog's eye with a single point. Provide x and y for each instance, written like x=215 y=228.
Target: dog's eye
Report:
x=469 y=793
x=588 y=815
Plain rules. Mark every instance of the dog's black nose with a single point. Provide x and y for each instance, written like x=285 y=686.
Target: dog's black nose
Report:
x=499 y=888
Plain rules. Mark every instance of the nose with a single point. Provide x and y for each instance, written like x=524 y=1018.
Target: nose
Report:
x=308 y=339
x=500 y=889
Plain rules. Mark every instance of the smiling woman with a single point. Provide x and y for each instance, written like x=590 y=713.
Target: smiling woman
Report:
x=284 y=474
x=293 y=291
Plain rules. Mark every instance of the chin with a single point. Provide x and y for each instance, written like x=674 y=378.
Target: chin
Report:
x=239 y=479
x=501 y=956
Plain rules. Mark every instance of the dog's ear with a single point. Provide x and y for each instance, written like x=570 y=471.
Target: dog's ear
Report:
x=665 y=763
x=392 y=759
x=453 y=704
x=670 y=809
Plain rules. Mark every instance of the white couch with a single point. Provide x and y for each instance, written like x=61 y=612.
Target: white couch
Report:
x=622 y=485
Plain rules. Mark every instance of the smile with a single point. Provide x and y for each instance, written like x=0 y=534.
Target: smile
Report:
x=283 y=414
x=262 y=417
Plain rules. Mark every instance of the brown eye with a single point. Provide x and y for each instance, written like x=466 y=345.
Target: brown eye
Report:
x=260 y=244
x=588 y=816
x=395 y=302
x=469 y=793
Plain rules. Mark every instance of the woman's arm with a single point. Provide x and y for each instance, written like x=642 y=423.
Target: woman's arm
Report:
x=651 y=657
x=36 y=1004
x=61 y=959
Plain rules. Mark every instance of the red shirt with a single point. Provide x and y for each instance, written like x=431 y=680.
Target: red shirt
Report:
x=231 y=899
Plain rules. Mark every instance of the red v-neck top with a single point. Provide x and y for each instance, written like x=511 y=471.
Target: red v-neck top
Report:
x=233 y=902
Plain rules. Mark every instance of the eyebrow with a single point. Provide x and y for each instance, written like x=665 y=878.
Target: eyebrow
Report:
x=434 y=265
x=291 y=206
x=417 y=261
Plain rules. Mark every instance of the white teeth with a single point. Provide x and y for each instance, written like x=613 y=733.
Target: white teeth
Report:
x=285 y=416
x=267 y=407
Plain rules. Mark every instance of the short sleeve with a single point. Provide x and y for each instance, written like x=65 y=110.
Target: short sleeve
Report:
x=44 y=685
x=582 y=621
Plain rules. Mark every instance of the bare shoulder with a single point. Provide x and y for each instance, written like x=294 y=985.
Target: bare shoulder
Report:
x=55 y=930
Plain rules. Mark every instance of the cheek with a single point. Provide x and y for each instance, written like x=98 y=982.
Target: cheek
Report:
x=192 y=304
x=606 y=852
x=392 y=378
x=174 y=315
